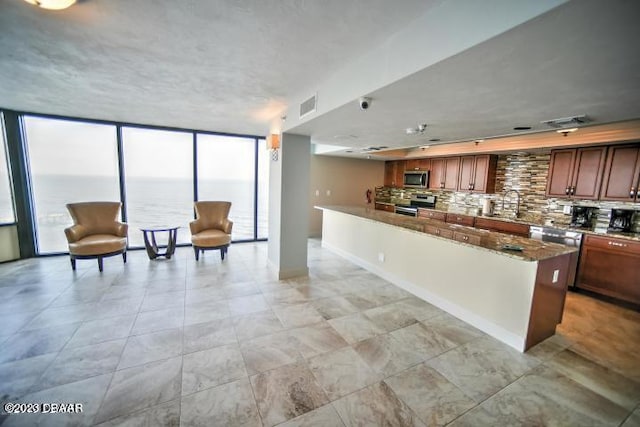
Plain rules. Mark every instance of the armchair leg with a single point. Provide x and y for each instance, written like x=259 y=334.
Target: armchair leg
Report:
x=222 y=251
x=73 y=263
x=100 y=264
x=197 y=251
x=124 y=257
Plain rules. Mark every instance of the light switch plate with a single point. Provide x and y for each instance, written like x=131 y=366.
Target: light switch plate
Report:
x=556 y=274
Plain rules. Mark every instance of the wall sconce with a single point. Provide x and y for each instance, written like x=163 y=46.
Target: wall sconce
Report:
x=52 y=4
x=273 y=144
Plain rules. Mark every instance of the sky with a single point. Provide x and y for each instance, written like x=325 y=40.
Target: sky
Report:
x=60 y=147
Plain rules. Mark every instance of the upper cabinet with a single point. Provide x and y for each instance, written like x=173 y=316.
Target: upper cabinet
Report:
x=394 y=173
x=622 y=174
x=576 y=173
x=444 y=173
x=478 y=173
x=417 y=164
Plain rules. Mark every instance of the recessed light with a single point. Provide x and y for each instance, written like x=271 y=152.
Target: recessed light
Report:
x=566 y=132
x=424 y=147
x=434 y=139
x=522 y=128
x=349 y=151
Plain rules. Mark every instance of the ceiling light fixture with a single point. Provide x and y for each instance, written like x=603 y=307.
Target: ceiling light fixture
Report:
x=416 y=130
x=566 y=132
x=52 y=4
x=567 y=121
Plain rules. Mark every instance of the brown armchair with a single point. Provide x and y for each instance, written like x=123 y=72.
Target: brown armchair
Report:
x=96 y=232
x=211 y=228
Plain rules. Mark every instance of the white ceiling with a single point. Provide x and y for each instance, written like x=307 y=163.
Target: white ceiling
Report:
x=213 y=65
x=234 y=66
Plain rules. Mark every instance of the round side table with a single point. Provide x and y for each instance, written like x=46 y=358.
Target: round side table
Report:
x=150 y=243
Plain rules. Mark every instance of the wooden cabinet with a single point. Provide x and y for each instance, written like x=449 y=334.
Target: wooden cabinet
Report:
x=417 y=164
x=576 y=173
x=460 y=219
x=478 y=173
x=394 y=173
x=385 y=207
x=442 y=232
x=461 y=236
x=444 y=173
x=431 y=214
x=609 y=266
x=502 y=226
x=622 y=174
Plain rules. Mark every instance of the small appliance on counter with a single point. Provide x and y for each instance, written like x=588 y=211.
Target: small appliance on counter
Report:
x=488 y=207
x=621 y=220
x=583 y=216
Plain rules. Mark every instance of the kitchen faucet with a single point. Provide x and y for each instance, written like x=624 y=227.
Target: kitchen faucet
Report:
x=517 y=212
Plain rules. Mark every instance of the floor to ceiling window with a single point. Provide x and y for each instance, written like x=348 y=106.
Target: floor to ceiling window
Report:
x=158 y=171
x=70 y=161
x=226 y=171
x=6 y=198
x=73 y=160
x=264 y=157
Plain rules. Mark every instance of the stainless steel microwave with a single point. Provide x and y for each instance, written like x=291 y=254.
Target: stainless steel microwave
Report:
x=416 y=179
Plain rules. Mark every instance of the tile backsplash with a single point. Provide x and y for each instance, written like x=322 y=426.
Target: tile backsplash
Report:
x=527 y=173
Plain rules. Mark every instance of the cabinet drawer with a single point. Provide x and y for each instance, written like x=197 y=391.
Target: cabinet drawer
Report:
x=502 y=226
x=613 y=244
x=466 y=238
x=460 y=219
x=442 y=232
x=431 y=214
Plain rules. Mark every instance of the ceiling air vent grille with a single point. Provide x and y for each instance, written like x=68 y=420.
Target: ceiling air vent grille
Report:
x=309 y=106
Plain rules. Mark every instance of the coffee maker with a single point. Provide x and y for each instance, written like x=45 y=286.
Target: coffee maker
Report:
x=621 y=220
x=582 y=216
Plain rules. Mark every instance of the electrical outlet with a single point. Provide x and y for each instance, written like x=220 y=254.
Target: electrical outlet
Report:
x=328 y=193
x=317 y=193
x=381 y=256
x=556 y=274
x=566 y=210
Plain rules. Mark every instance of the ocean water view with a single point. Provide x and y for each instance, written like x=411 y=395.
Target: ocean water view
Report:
x=149 y=202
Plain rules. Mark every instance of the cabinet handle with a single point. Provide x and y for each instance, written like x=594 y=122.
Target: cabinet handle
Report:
x=437 y=231
x=465 y=237
x=473 y=186
x=566 y=191
x=621 y=245
x=632 y=193
x=573 y=190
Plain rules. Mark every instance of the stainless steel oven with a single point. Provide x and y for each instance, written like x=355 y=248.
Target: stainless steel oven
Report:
x=407 y=210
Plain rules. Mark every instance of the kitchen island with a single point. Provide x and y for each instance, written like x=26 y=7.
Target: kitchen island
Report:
x=514 y=296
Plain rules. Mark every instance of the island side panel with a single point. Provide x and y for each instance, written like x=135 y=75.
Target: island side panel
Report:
x=548 y=298
x=488 y=290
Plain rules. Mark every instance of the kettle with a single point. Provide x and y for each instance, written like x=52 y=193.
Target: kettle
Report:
x=488 y=207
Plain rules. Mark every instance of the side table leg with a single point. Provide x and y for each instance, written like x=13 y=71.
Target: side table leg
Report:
x=152 y=249
x=171 y=244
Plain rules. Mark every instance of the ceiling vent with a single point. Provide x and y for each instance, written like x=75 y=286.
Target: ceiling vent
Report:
x=567 y=121
x=309 y=106
x=370 y=149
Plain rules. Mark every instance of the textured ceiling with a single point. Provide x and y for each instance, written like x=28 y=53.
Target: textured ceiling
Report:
x=211 y=65
x=232 y=66
x=582 y=57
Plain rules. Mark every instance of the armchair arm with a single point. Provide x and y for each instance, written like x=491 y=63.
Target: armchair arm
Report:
x=122 y=229
x=195 y=226
x=75 y=233
x=227 y=225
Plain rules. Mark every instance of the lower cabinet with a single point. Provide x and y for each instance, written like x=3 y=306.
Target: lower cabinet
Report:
x=460 y=219
x=502 y=226
x=442 y=232
x=609 y=266
x=385 y=207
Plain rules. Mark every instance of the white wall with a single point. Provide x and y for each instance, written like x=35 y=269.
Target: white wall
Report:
x=9 y=249
x=346 y=179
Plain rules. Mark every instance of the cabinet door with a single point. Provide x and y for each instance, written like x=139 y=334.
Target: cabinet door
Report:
x=560 y=173
x=484 y=174
x=610 y=267
x=587 y=174
x=424 y=164
x=400 y=165
x=467 y=172
x=451 y=170
x=621 y=173
x=436 y=176
x=412 y=164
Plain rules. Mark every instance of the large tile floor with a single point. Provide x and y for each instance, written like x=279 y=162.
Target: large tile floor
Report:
x=216 y=343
